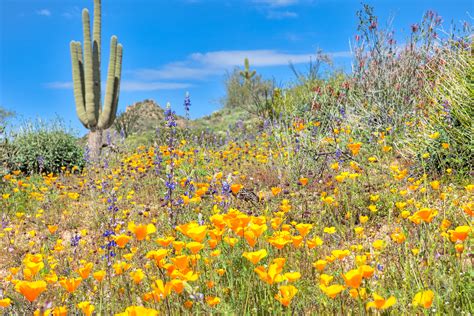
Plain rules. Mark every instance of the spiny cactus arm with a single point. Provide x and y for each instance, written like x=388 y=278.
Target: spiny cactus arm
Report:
x=96 y=49
x=106 y=115
x=78 y=81
x=246 y=73
x=252 y=74
x=118 y=75
x=97 y=25
x=88 y=72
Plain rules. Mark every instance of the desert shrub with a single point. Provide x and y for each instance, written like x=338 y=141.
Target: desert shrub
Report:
x=302 y=97
x=6 y=150
x=388 y=78
x=125 y=122
x=446 y=141
x=45 y=147
x=254 y=95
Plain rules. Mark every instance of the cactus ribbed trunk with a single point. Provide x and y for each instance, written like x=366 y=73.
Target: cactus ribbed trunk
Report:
x=94 y=141
x=86 y=77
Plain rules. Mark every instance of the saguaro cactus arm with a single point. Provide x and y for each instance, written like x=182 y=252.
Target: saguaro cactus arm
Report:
x=89 y=72
x=106 y=114
x=118 y=74
x=98 y=26
x=78 y=82
x=96 y=50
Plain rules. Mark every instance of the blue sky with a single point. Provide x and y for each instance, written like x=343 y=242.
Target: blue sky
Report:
x=174 y=46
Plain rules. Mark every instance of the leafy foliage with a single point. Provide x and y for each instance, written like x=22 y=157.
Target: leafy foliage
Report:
x=126 y=122
x=251 y=93
x=447 y=132
x=387 y=79
x=42 y=148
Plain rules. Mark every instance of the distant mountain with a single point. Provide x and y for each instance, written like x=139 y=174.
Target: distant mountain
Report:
x=150 y=116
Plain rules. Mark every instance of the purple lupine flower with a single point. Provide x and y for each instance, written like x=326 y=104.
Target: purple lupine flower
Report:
x=40 y=160
x=108 y=138
x=157 y=162
x=170 y=183
x=200 y=219
x=447 y=111
x=187 y=105
x=342 y=111
x=339 y=155
x=170 y=116
x=225 y=187
x=75 y=240
x=108 y=233
x=87 y=156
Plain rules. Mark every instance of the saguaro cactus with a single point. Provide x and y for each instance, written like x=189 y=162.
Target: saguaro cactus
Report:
x=86 y=77
x=247 y=74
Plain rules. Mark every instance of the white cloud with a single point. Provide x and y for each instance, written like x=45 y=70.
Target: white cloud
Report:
x=178 y=70
x=152 y=86
x=258 y=58
x=73 y=12
x=199 y=66
x=277 y=3
x=280 y=15
x=128 y=85
x=44 y=12
x=59 y=85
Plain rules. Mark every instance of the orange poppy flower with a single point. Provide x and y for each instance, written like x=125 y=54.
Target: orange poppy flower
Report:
x=423 y=298
x=424 y=215
x=70 y=284
x=212 y=300
x=194 y=246
x=303 y=181
x=380 y=303
x=141 y=231
x=354 y=148
x=353 y=278
x=99 y=275
x=30 y=290
x=255 y=256
x=285 y=294
x=276 y=191
x=332 y=291
x=320 y=264
x=459 y=233
x=304 y=229
x=86 y=307
x=6 y=302
x=236 y=188
x=122 y=240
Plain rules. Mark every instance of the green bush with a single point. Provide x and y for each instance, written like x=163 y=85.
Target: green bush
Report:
x=448 y=128
x=6 y=150
x=47 y=148
x=254 y=95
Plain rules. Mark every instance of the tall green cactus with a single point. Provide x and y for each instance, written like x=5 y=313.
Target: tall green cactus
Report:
x=86 y=77
x=247 y=74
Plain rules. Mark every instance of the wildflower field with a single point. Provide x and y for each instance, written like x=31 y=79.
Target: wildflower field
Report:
x=329 y=203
